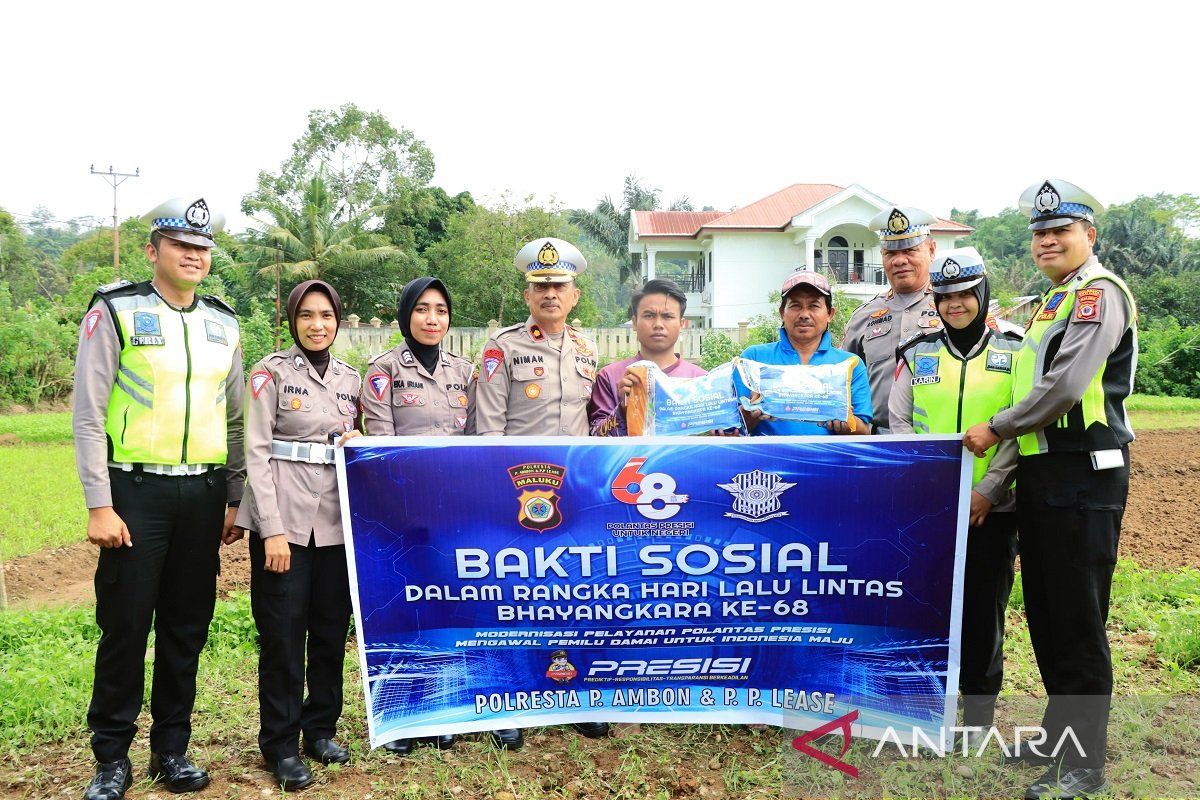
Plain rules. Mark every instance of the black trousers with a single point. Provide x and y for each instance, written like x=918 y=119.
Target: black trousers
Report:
x=988 y=580
x=307 y=607
x=1069 y=518
x=168 y=577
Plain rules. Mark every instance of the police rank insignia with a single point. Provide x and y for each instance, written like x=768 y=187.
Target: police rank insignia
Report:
x=897 y=221
x=561 y=670
x=538 y=501
x=1047 y=199
x=407 y=358
x=492 y=359
x=756 y=495
x=257 y=381
x=999 y=362
x=378 y=384
x=197 y=214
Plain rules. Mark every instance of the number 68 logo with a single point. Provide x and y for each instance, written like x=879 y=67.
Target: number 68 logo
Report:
x=652 y=494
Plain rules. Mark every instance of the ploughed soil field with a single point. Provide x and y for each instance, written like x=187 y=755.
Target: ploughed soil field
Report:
x=1161 y=529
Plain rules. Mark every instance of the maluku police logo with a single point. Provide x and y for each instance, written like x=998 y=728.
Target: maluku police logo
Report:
x=538 y=499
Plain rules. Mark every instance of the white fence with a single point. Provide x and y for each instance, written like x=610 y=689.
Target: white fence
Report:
x=611 y=343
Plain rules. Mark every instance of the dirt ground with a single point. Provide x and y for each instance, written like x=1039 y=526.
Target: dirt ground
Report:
x=1161 y=528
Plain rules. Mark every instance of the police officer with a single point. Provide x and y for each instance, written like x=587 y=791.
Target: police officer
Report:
x=158 y=441
x=1070 y=381
x=535 y=378
x=946 y=381
x=878 y=326
x=302 y=401
x=418 y=388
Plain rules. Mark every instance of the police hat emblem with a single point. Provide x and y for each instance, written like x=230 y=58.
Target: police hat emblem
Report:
x=547 y=256
x=950 y=269
x=197 y=214
x=1047 y=199
x=897 y=222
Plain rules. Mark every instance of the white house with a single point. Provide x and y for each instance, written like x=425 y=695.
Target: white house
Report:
x=729 y=262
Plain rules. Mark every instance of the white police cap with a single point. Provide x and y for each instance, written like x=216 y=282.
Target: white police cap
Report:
x=901 y=227
x=184 y=221
x=1054 y=203
x=956 y=270
x=550 y=260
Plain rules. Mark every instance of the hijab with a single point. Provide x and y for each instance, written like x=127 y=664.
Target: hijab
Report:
x=318 y=358
x=427 y=354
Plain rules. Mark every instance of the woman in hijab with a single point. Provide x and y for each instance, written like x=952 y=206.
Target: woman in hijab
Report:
x=420 y=389
x=301 y=401
x=947 y=381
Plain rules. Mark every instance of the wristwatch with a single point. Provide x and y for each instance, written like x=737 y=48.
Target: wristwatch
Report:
x=992 y=428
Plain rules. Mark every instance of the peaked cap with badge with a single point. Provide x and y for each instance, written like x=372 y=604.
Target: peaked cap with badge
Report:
x=956 y=270
x=191 y=222
x=901 y=227
x=1055 y=203
x=550 y=260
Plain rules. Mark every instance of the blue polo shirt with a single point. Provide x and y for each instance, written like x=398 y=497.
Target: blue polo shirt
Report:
x=781 y=352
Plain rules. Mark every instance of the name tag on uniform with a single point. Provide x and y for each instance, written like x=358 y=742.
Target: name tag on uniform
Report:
x=146 y=329
x=215 y=332
x=999 y=362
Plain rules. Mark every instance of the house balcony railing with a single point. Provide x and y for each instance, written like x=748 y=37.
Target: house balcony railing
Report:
x=857 y=273
x=688 y=282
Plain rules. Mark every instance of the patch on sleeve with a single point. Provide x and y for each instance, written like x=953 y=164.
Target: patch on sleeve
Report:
x=91 y=321
x=493 y=357
x=1087 y=305
x=899 y=369
x=378 y=382
x=257 y=381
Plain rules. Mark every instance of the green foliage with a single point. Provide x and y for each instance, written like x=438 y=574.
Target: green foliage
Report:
x=1166 y=605
x=258 y=333
x=417 y=217
x=41 y=500
x=35 y=352
x=367 y=159
x=717 y=349
x=51 y=428
x=1168 y=359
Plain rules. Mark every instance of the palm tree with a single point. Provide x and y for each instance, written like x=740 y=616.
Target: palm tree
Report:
x=321 y=239
x=607 y=226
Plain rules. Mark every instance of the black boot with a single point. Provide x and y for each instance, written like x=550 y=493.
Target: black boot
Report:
x=508 y=738
x=443 y=742
x=327 y=751
x=291 y=773
x=592 y=730
x=1058 y=782
x=180 y=774
x=111 y=780
x=400 y=747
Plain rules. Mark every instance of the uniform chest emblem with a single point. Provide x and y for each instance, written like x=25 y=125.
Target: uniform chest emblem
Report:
x=925 y=371
x=875 y=315
x=296 y=404
x=877 y=331
x=539 y=371
x=257 y=381
x=533 y=391
x=1087 y=305
x=462 y=400
x=378 y=384
x=1051 y=307
x=460 y=422
x=411 y=399
x=146 y=323
x=215 y=332
x=91 y=321
x=299 y=362
x=492 y=358
x=999 y=362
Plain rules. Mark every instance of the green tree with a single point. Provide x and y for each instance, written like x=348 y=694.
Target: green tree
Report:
x=17 y=260
x=367 y=161
x=419 y=216
x=323 y=240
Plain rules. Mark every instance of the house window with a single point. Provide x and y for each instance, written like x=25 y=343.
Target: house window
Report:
x=818 y=258
x=838 y=241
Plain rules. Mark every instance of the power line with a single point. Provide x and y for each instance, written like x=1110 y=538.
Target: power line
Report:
x=116 y=179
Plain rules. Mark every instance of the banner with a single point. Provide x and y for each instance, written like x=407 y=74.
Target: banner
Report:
x=505 y=582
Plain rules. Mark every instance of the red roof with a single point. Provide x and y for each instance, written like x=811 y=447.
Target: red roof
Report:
x=773 y=212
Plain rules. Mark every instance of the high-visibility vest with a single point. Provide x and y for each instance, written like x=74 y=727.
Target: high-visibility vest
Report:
x=951 y=393
x=168 y=404
x=1098 y=420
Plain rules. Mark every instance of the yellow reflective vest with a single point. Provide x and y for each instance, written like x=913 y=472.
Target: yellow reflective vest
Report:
x=1097 y=421
x=168 y=405
x=951 y=393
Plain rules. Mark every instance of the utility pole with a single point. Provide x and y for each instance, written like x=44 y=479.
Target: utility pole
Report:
x=116 y=179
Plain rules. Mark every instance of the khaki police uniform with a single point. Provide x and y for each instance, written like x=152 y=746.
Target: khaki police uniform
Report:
x=1070 y=381
x=293 y=416
x=401 y=398
x=157 y=424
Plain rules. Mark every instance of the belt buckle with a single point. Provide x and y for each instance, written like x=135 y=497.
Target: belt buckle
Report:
x=316 y=454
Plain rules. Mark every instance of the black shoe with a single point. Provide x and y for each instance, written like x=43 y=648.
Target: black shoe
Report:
x=327 y=751
x=507 y=738
x=592 y=730
x=291 y=773
x=180 y=774
x=111 y=781
x=443 y=742
x=400 y=747
x=1027 y=758
x=1060 y=784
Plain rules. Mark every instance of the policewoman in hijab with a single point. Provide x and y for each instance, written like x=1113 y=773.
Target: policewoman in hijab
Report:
x=418 y=388
x=947 y=380
x=301 y=403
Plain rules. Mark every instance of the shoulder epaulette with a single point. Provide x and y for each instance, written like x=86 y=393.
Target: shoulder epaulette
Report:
x=219 y=303
x=109 y=288
x=918 y=337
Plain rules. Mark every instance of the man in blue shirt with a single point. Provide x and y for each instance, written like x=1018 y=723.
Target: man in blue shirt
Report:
x=805 y=311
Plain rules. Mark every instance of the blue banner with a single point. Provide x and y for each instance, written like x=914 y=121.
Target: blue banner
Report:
x=515 y=581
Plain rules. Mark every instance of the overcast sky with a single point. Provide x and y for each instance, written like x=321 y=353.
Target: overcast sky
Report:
x=927 y=104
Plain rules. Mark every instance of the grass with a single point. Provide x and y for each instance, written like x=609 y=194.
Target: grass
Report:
x=45 y=678
x=1151 y=412
x=42 y=428
x=41 y=500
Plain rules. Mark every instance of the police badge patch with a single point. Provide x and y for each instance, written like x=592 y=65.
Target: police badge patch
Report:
x=926 y=371
x=1048 y=198
x=146 y=329
x=756 y=495
x=999 y=362
x=539 y=506
x=197 y=214
x=257 y=381
x=492 y=358
x=378 y=384
x=91 y=321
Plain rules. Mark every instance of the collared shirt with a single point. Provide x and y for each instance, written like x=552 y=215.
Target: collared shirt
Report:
x=531 y=385
x=877 y=328
x=401 y=398
x=781 y=352
x=290 y=402
x=605 y=411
